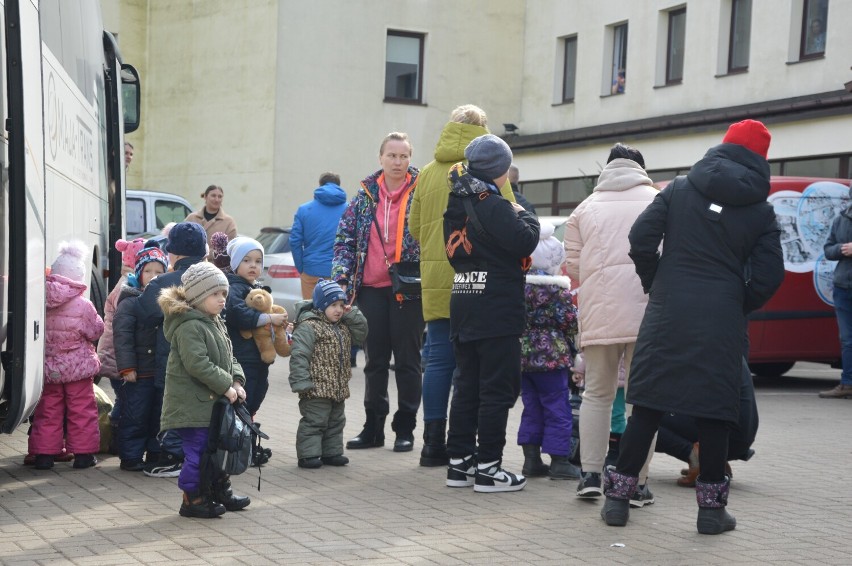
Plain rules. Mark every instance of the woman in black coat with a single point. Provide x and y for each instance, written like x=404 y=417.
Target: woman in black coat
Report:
x=721 y=258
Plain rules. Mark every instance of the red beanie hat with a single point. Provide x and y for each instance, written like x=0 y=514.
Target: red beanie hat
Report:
x=750 y=134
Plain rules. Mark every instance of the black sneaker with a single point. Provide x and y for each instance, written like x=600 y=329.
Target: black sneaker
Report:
x=132 y=465
x=461 y=474
x=168 y=466
x=590 y=485
x=495 y=479
x=641 y=496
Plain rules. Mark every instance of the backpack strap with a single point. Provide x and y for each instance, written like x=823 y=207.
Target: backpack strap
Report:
x=474 y=219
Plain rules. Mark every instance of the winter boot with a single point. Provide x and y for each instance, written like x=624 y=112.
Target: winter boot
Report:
x=403 y=424
x=612 y=453
x=434 y=452
x=712 y=499
x=222 y=493
x=200 y=505
x=618 y=488
x=561 y=468
x=533 y=466
x=82 y=461
x=372 y=435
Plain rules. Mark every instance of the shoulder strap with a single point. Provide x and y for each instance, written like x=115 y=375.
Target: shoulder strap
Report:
x=474 y=219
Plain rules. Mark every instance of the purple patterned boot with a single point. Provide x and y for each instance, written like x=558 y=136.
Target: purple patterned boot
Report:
x=712 y=499
x=618 y=488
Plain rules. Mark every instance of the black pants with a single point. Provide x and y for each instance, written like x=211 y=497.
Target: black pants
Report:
x=488 y=381
x=643 y=424
x=396 y=329
x=678 y=433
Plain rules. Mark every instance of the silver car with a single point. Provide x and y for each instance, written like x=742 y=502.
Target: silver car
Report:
x=279 y=271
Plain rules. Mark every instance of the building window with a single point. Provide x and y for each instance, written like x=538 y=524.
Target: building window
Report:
x=814 y=20
x=569 y=78
x=619 y=59
x=738 y=47
x=404 y=67
x=674 y=50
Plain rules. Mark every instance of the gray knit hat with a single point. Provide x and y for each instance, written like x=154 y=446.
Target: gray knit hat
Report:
x=202 y=280
x=488 y=157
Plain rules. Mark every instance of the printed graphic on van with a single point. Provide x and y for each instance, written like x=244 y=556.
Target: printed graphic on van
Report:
x=805 y=220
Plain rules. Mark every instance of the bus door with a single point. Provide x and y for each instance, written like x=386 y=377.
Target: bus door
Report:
x=22 y=236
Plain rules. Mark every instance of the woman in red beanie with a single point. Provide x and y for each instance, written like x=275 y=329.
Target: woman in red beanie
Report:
x=721 y=259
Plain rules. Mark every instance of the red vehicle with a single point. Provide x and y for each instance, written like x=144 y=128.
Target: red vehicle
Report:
x=798 y=323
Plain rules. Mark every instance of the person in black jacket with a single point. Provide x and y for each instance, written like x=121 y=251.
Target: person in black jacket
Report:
x=186 y=245
x=489 y=241
x=721 y=259
x=246 y=266
x=135 y=361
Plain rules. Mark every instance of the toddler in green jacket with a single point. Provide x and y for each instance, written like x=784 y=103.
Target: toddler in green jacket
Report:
x=201 y=368
x=320 y=371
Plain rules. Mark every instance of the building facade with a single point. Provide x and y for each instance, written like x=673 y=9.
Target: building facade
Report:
x=263 y=97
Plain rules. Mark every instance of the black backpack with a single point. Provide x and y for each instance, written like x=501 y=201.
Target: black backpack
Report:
x=231 y=434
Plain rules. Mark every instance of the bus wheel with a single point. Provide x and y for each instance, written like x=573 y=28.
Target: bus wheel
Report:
x=771 y=369
x=97 y=293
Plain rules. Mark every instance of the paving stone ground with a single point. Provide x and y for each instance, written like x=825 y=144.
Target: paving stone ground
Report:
x=793 y=503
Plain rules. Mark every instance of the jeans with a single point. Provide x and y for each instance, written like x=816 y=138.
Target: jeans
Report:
x=843 y=309
x=440 y=365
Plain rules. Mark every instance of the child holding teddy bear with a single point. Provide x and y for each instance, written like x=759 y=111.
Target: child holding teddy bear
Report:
x=247 y=265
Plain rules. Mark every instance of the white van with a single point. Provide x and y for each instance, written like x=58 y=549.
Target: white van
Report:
x=147 y=212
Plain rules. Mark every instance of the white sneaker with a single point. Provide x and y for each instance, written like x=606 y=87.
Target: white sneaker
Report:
x=495 y=479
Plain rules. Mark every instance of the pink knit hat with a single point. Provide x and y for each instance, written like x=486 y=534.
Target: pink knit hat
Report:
x=129 y=249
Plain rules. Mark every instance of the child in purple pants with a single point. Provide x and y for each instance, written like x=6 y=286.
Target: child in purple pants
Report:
x=201 y=368
x=551 y=324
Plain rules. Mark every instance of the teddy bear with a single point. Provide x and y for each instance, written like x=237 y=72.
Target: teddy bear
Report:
x=269 y=339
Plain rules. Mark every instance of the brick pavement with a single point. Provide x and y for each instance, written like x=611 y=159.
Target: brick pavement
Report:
x=792 y=502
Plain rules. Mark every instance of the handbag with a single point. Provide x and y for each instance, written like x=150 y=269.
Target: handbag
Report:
x=404 y=275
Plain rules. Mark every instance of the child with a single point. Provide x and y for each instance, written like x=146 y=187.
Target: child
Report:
x=488 y=241
x=106 y=350
x=201 y=368
x=135 y=344
x=320 y=372
x=247 y=265
x=67 y=406
x=551 y=324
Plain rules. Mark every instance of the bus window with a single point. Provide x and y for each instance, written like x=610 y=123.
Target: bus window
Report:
x=135 y=210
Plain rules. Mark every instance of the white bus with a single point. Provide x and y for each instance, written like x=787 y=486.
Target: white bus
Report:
x=67 y=101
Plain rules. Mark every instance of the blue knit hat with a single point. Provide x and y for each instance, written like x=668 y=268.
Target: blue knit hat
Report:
x=187 y=239
x=325 y=293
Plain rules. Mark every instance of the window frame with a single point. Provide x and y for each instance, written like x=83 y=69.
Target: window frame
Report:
x=803 y=38
x=618 y=62
x=732 y=37
x=565 y=59
x=672 y=14
x=422 y=39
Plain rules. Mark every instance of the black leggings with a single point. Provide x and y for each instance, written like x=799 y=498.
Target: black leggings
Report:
x=643 y=424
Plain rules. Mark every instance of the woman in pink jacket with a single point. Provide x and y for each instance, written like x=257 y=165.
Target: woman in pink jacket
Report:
x=67 y=406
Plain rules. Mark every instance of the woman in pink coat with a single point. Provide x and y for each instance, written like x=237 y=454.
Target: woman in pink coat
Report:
x=67 y=407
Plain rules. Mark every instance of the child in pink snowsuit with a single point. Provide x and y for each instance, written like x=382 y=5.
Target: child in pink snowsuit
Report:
x=67 y=406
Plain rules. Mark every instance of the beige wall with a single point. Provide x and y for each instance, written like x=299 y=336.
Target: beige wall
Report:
x=262 y=97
